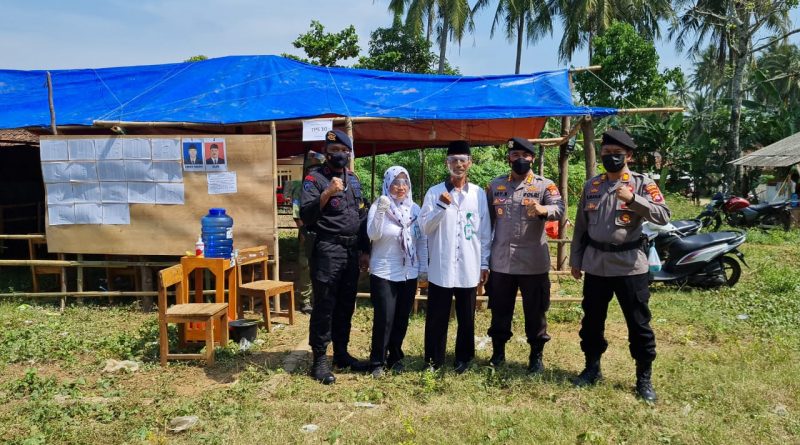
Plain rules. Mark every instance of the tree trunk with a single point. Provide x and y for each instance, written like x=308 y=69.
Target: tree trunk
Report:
x=591 y=38
x=520 y=31
x=429 y=31
x=734 y=151
x=563 y=183
x=588 y=148
x=443 y=44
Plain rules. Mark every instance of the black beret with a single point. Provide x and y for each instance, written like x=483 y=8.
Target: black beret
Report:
x=521 y=144
x=338 y=137
x=618 y=137
x=458 y=148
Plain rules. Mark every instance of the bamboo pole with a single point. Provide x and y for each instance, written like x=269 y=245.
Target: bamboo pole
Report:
x=563 y=185
x=53 y=127
x=650 y=110
x=588 y=148
x=63 y=304
x=23 y=237
x=273 y=131
x=72 y=263
x=79 y=279
x=86 y=294
x=348 y=126
x=585 y=68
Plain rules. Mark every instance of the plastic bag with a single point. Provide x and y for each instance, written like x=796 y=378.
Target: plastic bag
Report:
x=653 y=261
x=551 y=229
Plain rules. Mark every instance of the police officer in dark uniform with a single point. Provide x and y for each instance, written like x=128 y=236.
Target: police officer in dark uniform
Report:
x=519 y=205
x=608 y=246
x=334 y=211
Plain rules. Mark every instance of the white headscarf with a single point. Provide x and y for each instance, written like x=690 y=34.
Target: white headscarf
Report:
x=401 y=213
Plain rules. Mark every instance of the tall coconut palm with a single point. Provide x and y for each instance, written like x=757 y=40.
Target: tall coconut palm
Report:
x=585 y=19
x=452 y=20
x=515 y=16
x=731 y=26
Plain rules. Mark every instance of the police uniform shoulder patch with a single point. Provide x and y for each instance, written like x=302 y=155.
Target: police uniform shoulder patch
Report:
x=553 y=190
x=655 y=194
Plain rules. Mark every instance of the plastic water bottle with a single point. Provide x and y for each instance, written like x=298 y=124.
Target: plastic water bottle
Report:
x=794 y=199
x=199 y=247
x=217 y=234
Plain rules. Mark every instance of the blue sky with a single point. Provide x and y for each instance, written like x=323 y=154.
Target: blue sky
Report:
x=51 y=34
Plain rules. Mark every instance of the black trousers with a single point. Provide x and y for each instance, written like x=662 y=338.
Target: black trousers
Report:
x=334 y=277
x=438 y=317
x=535 y=303
x=633 y=295
x=392 y=302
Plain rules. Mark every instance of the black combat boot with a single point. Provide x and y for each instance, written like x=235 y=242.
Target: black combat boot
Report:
x=345 y=360
x=498 y=353
x=591 y=374
x=535 y=365
x=644 y=387
x=321 y=369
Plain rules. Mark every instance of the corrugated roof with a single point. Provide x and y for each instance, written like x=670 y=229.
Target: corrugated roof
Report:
x=783 y=153
x=17 y=137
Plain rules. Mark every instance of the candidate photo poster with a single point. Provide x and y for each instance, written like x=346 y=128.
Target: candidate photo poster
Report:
x=215 y=155
x=193 y=155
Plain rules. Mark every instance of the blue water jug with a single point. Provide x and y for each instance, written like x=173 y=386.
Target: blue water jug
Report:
x=217 y=232
x=794 y=199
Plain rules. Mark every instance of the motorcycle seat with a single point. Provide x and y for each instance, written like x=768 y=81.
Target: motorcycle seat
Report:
x=691 y=243
x=765 y=205
x=686 y=225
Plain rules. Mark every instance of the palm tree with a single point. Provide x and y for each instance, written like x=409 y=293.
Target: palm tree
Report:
x=515 y=15
x=585 y=19
x=452 y=19
x=731 y=25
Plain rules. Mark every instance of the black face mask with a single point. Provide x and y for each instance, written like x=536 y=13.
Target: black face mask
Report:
x=338 y=159
x=521 y=166
x=613 y=163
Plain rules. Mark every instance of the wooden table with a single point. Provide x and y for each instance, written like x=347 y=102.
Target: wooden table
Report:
x=223 y=269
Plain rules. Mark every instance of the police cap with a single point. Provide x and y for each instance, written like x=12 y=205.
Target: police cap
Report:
x=618 y=137
x=521 y=144
x=338 y=137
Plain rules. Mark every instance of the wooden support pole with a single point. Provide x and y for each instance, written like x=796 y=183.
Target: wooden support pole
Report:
x=348 y=126
x=541 y=160
x=63 y=283
x=53 y=127
x=421 y=172
x=563 y=186
x=273 y=131
x=146 y=285
x=588 y=148
x=79 y=280
x=373 y=171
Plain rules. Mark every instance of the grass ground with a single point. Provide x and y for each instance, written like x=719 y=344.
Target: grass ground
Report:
x=727 y=372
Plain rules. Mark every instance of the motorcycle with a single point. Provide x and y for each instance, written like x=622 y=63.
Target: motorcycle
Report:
x=704 y=260
x=672 y=231
x=738 y=212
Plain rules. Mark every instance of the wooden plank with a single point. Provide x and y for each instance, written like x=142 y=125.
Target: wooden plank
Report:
x=173 y=229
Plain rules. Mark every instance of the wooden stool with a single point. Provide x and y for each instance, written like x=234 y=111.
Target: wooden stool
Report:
x=183 y=312
x=33 y=247
x=265 y=289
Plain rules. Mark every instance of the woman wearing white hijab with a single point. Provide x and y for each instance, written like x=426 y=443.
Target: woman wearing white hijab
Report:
x=399 y=256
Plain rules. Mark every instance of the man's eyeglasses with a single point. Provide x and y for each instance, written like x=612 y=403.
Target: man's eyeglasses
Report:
x=452 y=159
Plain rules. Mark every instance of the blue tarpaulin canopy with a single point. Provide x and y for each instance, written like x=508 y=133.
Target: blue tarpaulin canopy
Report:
x=242 y=89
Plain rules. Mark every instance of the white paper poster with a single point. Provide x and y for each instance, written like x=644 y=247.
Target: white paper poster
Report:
x=61 y=214
x=169 y=193
x=81 y=150
x=166 y=149
x=88 y=214
x=138 y=170
x=116 y=214
x=315 y=129
x=53 y=150
x=82 y=171
x=136 y=149
x=142 y=192
x=167 y=171
x=86 y=192
x=110 y=148
x=221 y=183
x=55 y=172
x=60 y=193
x=114 y=192
x=111 y=170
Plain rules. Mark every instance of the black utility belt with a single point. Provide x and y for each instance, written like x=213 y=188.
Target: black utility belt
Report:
x=624 y=247
x=344 y=240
